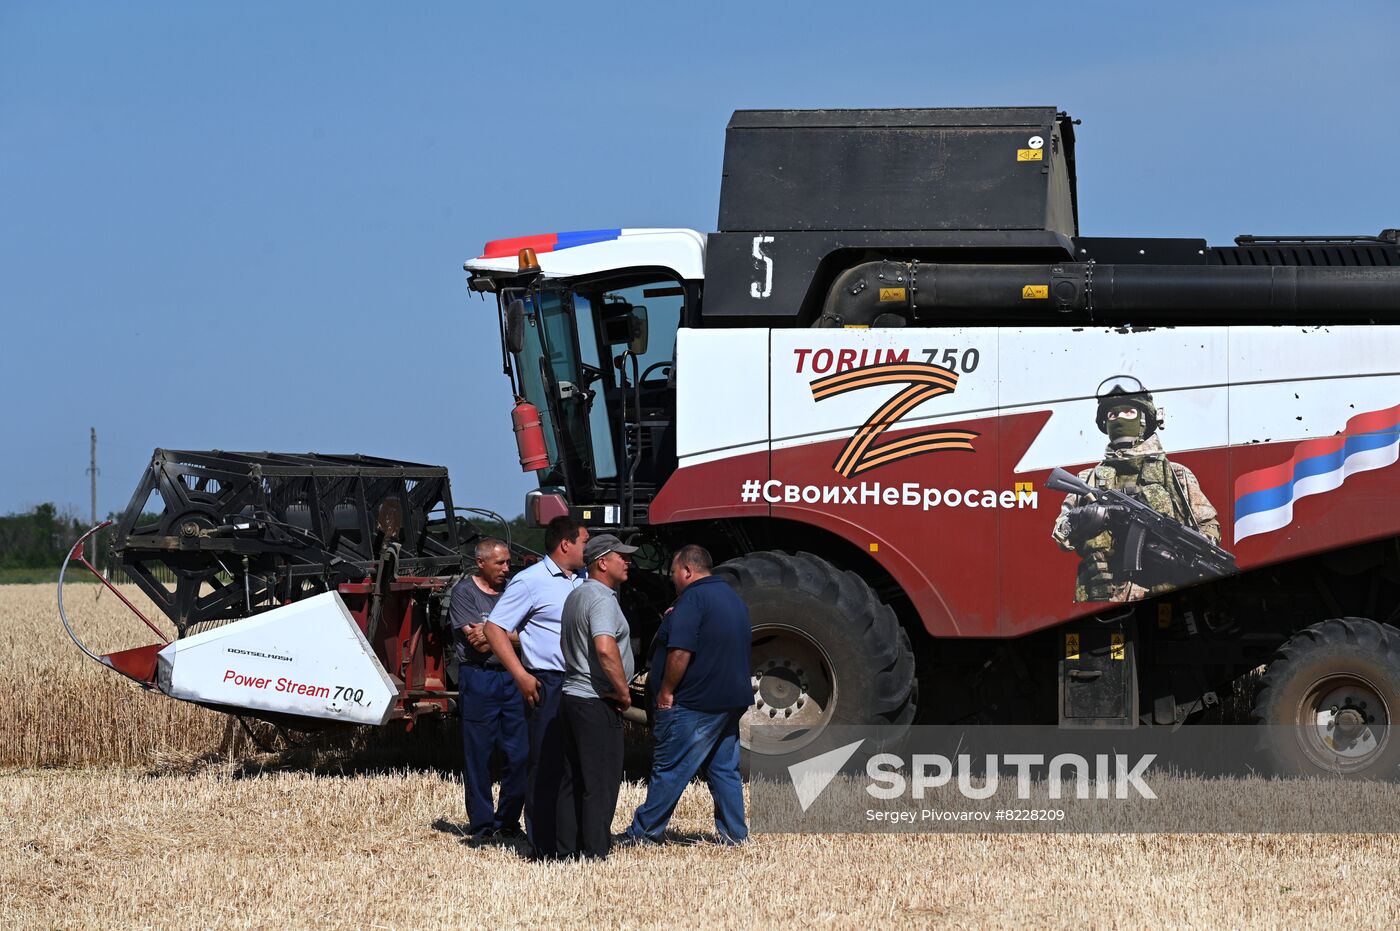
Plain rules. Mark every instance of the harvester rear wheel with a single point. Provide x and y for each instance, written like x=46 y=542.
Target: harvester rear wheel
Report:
x=826 y=650
x=1335 y=689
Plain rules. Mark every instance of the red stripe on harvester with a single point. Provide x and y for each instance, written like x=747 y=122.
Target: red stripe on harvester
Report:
x=501 y=248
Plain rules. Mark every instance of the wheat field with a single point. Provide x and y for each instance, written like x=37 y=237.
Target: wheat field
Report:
x=116 y=810
x=66 y=709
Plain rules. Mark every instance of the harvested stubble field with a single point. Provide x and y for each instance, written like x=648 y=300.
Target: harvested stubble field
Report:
x=109 y=818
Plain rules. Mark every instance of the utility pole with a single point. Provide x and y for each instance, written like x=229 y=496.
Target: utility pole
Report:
x=93 y=486
x=92 y=471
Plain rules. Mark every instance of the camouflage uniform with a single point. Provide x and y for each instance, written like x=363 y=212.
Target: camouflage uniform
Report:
x=1168 y=487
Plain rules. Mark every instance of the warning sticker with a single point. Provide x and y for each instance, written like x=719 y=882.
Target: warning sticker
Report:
x=1030 y=155
x=1035 y=292
x=891 y=294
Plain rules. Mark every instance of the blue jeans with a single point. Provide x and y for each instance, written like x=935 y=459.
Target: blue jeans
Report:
x=688 y=743
x=493 y=718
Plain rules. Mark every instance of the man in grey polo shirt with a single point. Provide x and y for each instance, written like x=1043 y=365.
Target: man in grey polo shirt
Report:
x=532 y=605
x=598 y=665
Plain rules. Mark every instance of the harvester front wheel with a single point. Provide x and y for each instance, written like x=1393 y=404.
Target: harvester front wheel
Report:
x=1328 y=698
x=825 y=651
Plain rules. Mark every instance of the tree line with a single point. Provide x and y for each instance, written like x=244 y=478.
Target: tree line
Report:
x=38 y=538
x=41 y=537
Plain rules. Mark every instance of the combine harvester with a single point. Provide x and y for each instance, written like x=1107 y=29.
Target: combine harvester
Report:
x=964 y=464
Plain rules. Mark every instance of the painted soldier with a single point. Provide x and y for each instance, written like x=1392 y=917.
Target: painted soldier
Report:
x=1136 y=465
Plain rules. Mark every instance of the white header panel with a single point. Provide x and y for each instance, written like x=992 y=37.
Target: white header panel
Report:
x=307 y=658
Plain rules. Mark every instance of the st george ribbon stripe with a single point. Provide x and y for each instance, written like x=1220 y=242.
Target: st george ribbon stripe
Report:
x=904 y=401
x=943 y=441
x=923 y=382
x=1264 y=498
x=908 y=373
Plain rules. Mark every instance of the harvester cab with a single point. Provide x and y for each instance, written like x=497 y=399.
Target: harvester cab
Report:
x=589 y=322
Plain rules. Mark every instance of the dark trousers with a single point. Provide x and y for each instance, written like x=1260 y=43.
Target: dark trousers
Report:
x=493 y=718
x=546 y=727
x=592 y=776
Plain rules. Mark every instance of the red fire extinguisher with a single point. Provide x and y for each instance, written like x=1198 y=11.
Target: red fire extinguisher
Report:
x=529 y=436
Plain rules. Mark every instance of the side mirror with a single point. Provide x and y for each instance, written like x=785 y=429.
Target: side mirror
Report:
x=515 y=326
x=638 y=342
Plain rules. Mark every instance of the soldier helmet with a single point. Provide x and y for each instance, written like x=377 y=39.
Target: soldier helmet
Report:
x=1121 y=390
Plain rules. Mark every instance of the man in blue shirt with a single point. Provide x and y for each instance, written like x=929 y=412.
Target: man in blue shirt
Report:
x=700 y=685
x=532 y=606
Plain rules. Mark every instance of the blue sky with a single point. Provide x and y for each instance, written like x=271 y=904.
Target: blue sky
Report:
x=242 y=225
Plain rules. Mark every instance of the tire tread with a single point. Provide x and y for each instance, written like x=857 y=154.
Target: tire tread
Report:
x=893 y=687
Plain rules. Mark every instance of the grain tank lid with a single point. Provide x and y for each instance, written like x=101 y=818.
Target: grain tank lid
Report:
x=1006 y=117
x=974 y=169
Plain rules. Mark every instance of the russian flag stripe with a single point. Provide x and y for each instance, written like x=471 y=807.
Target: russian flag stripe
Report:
x=584 y=237
x=1264 y=498
x=500 y=248
x=546 y=242
x=1271 y=478
x=1313 y=466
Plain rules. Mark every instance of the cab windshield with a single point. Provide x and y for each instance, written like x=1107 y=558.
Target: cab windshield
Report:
x=596 y=359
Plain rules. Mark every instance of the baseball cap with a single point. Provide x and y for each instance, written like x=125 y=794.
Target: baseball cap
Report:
x=601 y=545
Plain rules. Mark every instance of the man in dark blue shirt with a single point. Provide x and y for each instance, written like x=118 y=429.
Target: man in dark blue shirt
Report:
x=700 y=687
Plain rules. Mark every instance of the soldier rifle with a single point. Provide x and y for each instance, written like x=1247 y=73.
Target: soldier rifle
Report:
x=1153 y=548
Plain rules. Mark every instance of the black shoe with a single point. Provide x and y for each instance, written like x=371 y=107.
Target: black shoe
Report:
x=634 y=840
x=508 y=833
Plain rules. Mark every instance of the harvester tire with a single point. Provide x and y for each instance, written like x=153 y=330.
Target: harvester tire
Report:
x=1328 y=697
x=826 y=650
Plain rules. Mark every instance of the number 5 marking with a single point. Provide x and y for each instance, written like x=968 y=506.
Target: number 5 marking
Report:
x=755 y=289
